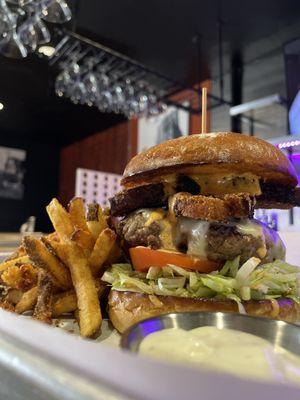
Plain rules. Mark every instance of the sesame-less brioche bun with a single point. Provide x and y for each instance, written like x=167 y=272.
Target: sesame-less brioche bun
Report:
x=127 y=308
x=207 y=154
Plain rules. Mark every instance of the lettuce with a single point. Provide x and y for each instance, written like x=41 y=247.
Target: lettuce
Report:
x=251 y=280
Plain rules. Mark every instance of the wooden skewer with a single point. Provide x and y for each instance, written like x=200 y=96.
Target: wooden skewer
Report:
x=204 y=109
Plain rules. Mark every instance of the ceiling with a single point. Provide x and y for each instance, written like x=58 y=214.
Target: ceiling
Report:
x=158 y=33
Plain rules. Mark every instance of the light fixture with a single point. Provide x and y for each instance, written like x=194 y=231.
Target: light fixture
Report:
x=288 y=144
x=47 y=51
x=255 y=105
x=1 y=106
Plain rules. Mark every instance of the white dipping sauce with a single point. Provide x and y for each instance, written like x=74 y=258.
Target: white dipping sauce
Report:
x=225 y=350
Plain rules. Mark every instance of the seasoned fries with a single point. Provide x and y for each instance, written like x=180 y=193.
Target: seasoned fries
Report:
x=85 y=288
x=14 y=296
x=102 y=249
x=41 y=257
x=77 y=214
x=60 y=273
x=10 y=263
x=60 y=219
x=56 y=248
x=84 y=240
x=43 y=307
x=96 y=221
x=65 y=228
x=66 y=302
x=22 y=278
x=27 y=301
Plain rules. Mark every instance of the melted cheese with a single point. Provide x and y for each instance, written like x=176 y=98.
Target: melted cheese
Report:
x=167 y=234
x=154 y=216
x=195 y=231
x=177 y=231
x=220 y=184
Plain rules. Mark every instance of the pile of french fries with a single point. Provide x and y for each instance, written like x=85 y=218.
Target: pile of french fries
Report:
x=59 y=274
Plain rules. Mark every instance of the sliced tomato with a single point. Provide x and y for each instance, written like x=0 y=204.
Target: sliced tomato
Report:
x=143 y=258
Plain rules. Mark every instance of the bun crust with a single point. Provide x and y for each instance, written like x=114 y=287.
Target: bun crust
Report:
x=128 y=308
x=210 y=153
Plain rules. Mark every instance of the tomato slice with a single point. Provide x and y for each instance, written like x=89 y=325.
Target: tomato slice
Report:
x=143 y=258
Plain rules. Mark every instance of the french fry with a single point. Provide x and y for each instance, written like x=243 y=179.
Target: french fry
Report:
x=101 y=250
x=22 y=278
x=56 y=248
x=52 y=236
x=85 y=288
x=77 y=213
x=84 y=240
x=14 y=296
x=66 y=302
x=65 y=228
x=96 y=221
x=20 y=260
x=20 y=252
x=43 y=307
x=60 y=219
x=41 y=257
x=27 y=301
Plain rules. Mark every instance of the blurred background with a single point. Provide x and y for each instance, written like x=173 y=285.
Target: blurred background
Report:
x=85 y=85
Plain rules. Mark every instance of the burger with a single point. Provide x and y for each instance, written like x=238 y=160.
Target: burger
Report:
x=185 y=221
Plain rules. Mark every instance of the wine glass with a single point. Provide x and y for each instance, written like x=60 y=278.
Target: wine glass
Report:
x=28 y=35
x=91 y=85
x=11 y=46
x=41 y=30
x=20 y=3
x=56 y=11
x=77 y=92
x=62 y=83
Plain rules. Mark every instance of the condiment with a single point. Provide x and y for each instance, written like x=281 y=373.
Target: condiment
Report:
x=224 y=350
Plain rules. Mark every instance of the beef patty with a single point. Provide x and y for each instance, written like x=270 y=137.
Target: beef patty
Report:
x=135 y=233
x=223 y=241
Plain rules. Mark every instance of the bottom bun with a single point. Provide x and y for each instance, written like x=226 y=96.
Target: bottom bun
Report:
x=128 y=308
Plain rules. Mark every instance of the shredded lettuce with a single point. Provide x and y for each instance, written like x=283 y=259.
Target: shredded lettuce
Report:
x=251 y=280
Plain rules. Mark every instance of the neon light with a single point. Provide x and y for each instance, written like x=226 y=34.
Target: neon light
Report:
x=285 y=145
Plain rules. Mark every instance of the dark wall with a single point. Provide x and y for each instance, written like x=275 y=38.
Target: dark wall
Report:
x=41 y=182
x=108 y=151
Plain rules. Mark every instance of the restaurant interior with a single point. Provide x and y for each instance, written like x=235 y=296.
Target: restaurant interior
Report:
x=247 y=57
x=86 y=85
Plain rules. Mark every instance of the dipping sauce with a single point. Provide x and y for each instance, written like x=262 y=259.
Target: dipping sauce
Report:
x=224 y=350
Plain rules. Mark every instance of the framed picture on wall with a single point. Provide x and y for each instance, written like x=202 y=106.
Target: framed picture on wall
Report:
x=171 y=124
x=12 y=173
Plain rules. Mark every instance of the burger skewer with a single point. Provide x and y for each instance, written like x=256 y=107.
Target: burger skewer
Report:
x=204 y=110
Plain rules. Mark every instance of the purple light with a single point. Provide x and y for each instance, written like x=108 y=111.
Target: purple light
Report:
x=295 y=157
x=286 y=145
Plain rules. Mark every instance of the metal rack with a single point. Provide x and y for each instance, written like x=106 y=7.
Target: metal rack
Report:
x=166 y=86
